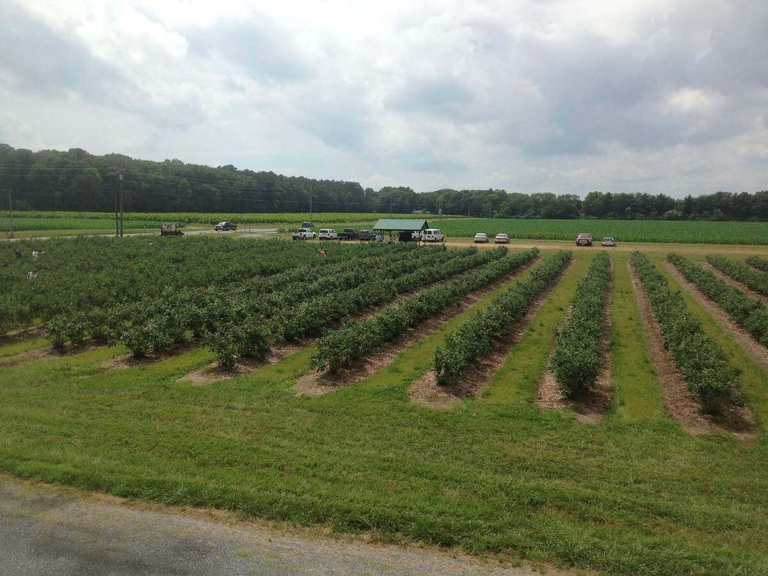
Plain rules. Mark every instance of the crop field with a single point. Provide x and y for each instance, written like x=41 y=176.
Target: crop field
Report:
x=622 y=230
x=586 y=409
x=21 y=224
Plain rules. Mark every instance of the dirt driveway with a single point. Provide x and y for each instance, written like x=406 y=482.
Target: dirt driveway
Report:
x=48 y=530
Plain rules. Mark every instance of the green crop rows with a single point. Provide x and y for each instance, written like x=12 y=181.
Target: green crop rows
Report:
x=477 y=334
x=576 y=360
x=754 y=279
x=339 y=348
x=757 y=262
x=705 y=366
x=745 y=311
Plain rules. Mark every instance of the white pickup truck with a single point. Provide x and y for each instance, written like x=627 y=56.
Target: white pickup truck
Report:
x=303 y=234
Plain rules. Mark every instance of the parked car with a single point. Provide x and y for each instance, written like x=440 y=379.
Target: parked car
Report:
x=328 y=234
x=481 y=238
x=432 y=235
x=307 y=225
x=584 y=239
x=608 y=241
x=225 y=226
x=501 y=239
x=348 y=234
x=366 y=235
x=303 y=234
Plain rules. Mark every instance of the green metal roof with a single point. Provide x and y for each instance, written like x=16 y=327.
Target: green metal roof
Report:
x=404 y=224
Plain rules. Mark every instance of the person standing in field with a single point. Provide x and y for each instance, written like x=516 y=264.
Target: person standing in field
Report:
x=32 y=274
x=18 y=254
x=322 y=253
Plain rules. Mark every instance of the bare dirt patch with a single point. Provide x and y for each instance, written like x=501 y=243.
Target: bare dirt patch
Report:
x=213 y=373
x=680 y=403
x=427 y=392
x=592 y=404
x=728 y=280
x=756 y=351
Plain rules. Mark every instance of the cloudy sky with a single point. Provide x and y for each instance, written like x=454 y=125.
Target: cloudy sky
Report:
x=528 y=95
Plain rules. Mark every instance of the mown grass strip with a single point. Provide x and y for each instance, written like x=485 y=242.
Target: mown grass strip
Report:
x=23 y=346
x=516 y=381
x=636 y=388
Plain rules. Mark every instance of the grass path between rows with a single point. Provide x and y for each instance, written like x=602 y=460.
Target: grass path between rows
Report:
x=637 y=394
x=633 y=495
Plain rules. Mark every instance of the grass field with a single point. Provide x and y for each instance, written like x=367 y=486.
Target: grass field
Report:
x=621 y=230
x=633 y=494
x=21 y=224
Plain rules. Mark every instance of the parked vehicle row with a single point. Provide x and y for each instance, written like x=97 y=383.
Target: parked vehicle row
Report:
x=306 y=233
x=482 y=238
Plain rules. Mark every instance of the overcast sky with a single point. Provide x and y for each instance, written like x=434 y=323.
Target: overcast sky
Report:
x=531 y=95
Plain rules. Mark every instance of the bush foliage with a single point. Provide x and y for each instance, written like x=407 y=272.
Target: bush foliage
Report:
x=705 y=366
x=476 y=335
x=576 y=360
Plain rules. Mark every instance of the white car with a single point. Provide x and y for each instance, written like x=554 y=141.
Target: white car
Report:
x=328 y=234
x=481 y=238
x=303 y=234
x=432 y=235
x=608 y=241
x=501 y=239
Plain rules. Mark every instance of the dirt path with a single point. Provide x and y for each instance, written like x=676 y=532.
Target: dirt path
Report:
x=756 y=351
x=47 y=530
x=592 y=404
x=428 y=393
x=319 y=383
x=728 y=280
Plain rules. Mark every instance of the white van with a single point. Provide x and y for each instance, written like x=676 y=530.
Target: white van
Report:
x=432 y=235
x=328 y=234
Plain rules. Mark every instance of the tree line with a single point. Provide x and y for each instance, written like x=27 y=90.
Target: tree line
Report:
x=77 y=180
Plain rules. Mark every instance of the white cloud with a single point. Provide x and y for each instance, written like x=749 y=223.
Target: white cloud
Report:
x=527 y=95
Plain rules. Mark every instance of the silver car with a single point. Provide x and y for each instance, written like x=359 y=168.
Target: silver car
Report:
x=608 y=241
x=481 y=238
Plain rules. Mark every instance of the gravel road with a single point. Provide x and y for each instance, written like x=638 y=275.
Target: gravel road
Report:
x=46 y=530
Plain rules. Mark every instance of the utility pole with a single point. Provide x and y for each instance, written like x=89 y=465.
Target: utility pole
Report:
x=469 y=210
x=117 y=224
x=390 y=205
x=310 y=206
x=10 y=212
x=120 y=180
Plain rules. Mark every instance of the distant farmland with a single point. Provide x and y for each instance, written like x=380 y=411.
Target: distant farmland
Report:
x=697 y=232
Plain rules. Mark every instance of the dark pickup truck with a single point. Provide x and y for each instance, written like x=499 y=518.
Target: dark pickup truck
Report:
x=348 y=234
